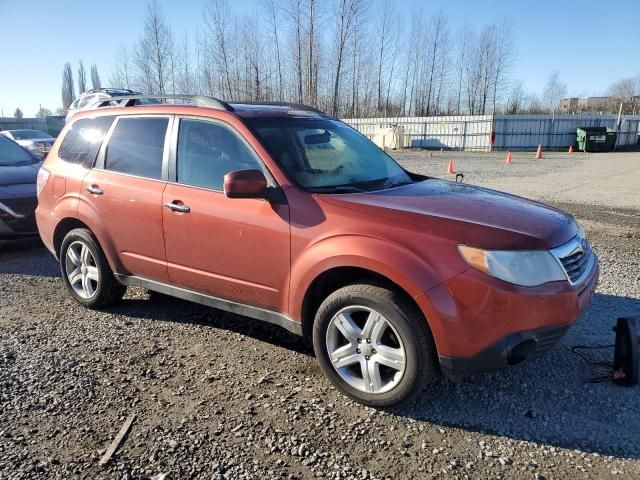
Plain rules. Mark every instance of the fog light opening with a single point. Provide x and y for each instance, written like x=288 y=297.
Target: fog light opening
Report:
x=521 y=352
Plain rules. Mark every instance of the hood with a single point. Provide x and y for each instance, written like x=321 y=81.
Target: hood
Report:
x=467 y=214
x=19 y=174
x=36 y=141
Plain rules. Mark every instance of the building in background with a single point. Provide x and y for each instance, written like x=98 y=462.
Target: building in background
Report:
x=600 y=105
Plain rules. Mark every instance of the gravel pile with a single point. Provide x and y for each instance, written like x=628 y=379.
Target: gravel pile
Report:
x=219 y=396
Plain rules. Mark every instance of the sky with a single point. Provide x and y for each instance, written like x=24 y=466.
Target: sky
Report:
x=592 y=43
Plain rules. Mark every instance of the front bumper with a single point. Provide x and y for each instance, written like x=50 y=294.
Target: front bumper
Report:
x=481 y=324
x=511 y=350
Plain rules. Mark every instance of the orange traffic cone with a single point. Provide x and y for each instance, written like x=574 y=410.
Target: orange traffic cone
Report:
x=450 y=168
x=539 y=152
x=570 y=149
x=441 y=150
x=509 y=159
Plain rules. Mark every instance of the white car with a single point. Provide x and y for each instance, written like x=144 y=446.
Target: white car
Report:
x=37 y=142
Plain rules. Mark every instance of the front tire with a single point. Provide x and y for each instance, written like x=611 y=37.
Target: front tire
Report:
x=373 y=345
x=86 y=272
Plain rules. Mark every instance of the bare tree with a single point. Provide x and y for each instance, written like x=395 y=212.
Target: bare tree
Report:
x=347 y=18
x=121 y=74
x=217 y=39
x=18 y=113
x=312 y=91
x=554 y=91
x=486 y=52
x=627 y=92
x=43 y=113
x=95 y=76
x=503 y=59
x=383 y=27
x=295 y=13
x=82 y=78
x=463 y=44
x=68 y=93
x=516 y=99
x=438 y=39
x=273 y=10
x=153 y=51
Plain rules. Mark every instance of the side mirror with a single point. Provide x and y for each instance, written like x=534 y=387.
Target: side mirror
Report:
x=246 y=184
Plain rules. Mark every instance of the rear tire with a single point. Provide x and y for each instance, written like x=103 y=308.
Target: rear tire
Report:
x=86 y=272
x=374 y=345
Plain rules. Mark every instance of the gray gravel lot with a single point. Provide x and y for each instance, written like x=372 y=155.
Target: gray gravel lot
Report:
x=222 y=396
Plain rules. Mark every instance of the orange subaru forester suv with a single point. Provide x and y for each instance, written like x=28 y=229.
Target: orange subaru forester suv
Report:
x=282 y=213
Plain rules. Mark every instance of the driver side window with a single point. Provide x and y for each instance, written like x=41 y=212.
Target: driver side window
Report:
x=207 y=151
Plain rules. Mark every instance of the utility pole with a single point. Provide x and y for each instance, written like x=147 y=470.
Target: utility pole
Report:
x=619 y=125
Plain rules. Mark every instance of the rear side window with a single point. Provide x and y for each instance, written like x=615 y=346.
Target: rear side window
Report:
x=83 y=140
x=136 y=147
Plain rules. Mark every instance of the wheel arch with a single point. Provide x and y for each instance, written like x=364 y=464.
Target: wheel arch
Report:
x=335 y=278
x=67 y=224
x=63 y=227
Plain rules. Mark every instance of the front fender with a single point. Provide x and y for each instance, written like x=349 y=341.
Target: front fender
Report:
x=398 y=264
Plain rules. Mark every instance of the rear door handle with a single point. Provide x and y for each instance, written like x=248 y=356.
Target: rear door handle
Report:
x=177 y=207
x=95 y=189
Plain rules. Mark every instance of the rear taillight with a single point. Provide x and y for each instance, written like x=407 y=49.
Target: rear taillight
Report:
x=43 y=176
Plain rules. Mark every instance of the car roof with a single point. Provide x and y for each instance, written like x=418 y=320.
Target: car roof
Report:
x=244 y=110
x=257 y=110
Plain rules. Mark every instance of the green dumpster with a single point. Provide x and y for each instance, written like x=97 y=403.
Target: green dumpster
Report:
x=595 y=139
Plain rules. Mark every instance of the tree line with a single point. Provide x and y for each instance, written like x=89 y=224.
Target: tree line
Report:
x=352 y=58
x=68 y=85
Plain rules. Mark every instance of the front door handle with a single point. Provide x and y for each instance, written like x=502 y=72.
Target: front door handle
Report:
x=177 y=207
x=95 y=189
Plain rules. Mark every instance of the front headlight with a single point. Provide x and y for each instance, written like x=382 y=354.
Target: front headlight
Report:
x=525 y=268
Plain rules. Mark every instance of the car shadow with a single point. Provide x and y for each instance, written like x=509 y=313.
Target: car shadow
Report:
x=159 y=307
x=550 y=400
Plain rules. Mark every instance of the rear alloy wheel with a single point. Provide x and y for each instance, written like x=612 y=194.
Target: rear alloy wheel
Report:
x=82 y=271
x=86 y=272
x=373 y=345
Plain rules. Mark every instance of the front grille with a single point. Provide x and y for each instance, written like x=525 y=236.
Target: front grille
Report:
x=576 y=264
x=576 y=258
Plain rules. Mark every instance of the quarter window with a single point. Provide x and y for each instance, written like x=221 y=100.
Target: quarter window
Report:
x=136 y=147
x=207 y=151
x=83 y=140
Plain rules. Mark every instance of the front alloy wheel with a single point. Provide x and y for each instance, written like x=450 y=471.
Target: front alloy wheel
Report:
x=373 y=344
x=365 y=349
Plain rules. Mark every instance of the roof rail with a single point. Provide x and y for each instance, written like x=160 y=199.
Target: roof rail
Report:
x=297 y=106
x=129 y=101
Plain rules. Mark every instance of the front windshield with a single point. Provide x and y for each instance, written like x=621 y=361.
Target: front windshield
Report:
x=325 y=154
x=29 y=134
x=13 y=154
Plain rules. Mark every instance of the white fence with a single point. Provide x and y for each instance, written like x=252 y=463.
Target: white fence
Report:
x=511 y=132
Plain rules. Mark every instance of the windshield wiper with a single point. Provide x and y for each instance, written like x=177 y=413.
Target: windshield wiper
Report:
x=339 y=189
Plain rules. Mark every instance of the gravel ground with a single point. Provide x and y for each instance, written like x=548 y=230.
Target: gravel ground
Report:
x=221 y=396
